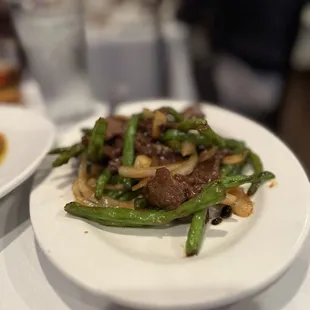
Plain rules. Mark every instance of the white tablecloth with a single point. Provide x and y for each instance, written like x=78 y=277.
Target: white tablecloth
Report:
x=28 y=281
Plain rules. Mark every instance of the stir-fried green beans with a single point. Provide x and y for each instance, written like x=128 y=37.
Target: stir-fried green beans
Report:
x=258 y=168
x=176 y=135
x=210 y=195
x=96 y=142
x=144 y=213
x=260 y=180
x=101 y=182
x=203 y=128
x=178 y=117
x=140 y=203
x=71 y=152
x=195 y=233
x=59 y=150
x=129 y=145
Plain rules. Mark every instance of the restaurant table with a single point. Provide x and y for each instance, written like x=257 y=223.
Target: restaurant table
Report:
x=28 y=281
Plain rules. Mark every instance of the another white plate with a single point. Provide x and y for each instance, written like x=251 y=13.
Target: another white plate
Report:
x=29 y=137
x=146 y=268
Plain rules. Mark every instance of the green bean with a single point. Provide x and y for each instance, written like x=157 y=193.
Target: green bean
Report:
x=260 y=180
x=228 y=170
x=195 y=233
x=192 y=123
x=176 y=135
x=212 y=194
x=115 y=194
x=101 y=182
x=129 y=146
x=140 y=203
x=115 y=179
x=256 y=162
x=64 y=157
x=178 y=117
x=258 y=168
x=96 y=142
x=130 y=195
x=236 y=145
x=59 y=150
x=238 y=180
x=203 y=128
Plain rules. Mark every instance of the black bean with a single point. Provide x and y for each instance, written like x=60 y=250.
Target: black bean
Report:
x=217 y=221
x=226 y=212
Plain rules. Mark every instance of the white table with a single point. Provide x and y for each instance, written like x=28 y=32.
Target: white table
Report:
x=28 y=281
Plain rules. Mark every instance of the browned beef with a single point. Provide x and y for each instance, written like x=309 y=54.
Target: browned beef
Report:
x=116 y=127
x=114 y=164
x=145 y=126
x=168 y=192
x=161 y=153
x=193 y=111
x=164 y=191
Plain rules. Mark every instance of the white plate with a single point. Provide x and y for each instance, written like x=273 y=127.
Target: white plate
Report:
x=146 y=268
x=29 y=137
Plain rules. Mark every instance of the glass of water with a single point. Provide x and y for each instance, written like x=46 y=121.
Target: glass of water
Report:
x=52 y=35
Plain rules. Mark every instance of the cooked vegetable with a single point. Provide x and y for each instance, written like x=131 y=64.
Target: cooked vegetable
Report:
x=188 y=167
x=210 y=195
x=187 y=148
x=101 y=183
x=177 y=116
x=203 y=128
x=59 y=150
x=64 y=157
x=207 y=154
x=142 y=161
x=95 y=146
x=159 y=120
x=243 y=206
x=160 y=166
x=176 y=135
x=129 y=145
x=195 y=233
x=141 y=173
x=140 y=203
x=260 y=179
x=258 y=168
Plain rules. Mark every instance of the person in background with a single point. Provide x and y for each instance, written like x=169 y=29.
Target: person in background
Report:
x=241 y=52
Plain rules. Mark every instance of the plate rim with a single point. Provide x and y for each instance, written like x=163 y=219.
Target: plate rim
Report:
x=230 y=299
x=26 y=173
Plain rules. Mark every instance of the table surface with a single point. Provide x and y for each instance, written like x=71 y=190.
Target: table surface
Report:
x=28 y=281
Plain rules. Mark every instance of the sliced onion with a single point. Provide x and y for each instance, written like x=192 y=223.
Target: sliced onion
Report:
x=141 y=173
x=234 y=159
x=243 y=206
x=148 y=113
x=114 y=187
x=142 y=161
x=188 y=167
x=78 y=196
x=159 y=119
x=141 y=184
x=229 y=200
x=207 y=154
x=187 y=148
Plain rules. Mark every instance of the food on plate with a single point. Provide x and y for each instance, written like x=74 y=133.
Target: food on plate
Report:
x=159 y=167
x=3 y=147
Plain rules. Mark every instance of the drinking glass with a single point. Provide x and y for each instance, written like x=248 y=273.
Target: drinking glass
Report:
x=52 y=35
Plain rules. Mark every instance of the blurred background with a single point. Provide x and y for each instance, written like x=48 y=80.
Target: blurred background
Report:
x=249 y=56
